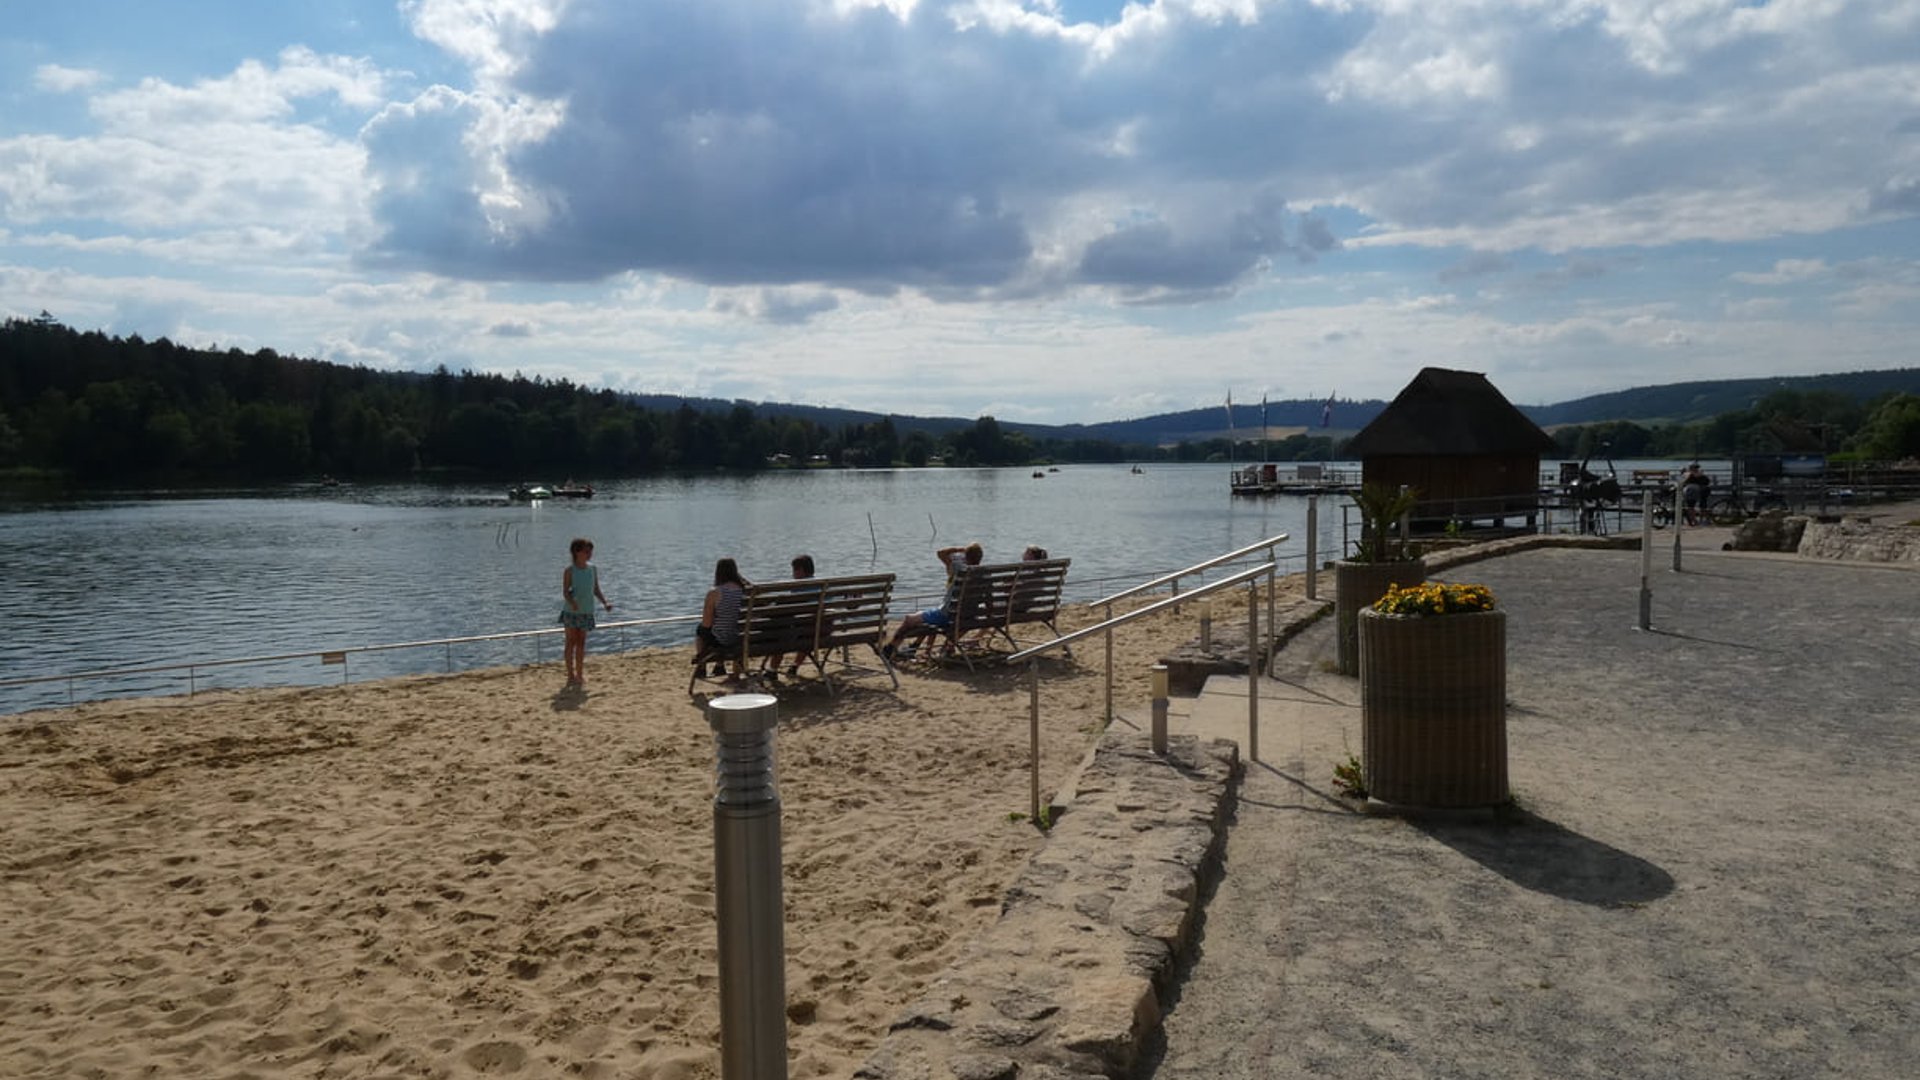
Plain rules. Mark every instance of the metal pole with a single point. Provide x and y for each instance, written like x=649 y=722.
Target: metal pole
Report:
x=1206 y=626
x=1679 y=520
x=1313 y=547
x=1253 y=676
x=1109 y=636
x=1160 y=709
x=1273 y=593
x=1033 y=740
x=747 y=890
x=1646 y=560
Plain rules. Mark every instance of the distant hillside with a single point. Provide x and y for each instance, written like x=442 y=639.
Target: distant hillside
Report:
x=1690 y=401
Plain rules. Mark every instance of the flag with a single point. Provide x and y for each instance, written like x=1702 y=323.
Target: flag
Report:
x=1326 y=412
x=1263 y=414
x=1229 y=410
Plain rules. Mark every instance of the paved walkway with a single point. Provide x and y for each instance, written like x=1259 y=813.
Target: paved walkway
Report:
x=1714 y=873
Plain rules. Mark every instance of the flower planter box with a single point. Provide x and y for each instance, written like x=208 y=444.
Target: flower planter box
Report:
x=1433 y=708
x=1357 y=585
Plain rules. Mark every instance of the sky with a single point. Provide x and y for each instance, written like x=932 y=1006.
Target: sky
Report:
x=1050 y=211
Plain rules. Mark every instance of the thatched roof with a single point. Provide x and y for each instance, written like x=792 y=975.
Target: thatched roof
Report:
x=1444 y=412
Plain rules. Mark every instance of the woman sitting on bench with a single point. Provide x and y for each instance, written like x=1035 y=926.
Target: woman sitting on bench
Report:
x=719 y=629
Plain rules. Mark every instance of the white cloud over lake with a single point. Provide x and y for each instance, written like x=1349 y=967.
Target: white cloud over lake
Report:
x=949 y=207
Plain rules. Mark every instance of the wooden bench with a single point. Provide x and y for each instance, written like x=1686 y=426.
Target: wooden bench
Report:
x=1659 y=477
x=823 y=618
x=996 y=598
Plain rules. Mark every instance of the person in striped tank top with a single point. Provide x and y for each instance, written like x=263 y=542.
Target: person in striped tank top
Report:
x=719 y=629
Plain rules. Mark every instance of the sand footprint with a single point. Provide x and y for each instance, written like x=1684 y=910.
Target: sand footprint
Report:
x=495 y=1057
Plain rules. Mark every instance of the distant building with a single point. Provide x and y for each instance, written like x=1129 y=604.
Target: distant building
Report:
x=1459 y=443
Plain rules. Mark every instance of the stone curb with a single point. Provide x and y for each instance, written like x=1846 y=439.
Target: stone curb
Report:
x=1067 y=983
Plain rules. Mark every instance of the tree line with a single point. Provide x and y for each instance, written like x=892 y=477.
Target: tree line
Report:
x=102 y=408
x=1885 y=427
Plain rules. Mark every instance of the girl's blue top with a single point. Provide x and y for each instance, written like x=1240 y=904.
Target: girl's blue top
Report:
x=584 y=578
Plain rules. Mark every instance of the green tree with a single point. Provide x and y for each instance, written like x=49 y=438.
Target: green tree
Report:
x=1892 y=429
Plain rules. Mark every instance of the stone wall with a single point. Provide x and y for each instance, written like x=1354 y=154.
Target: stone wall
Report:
x=1067 y=983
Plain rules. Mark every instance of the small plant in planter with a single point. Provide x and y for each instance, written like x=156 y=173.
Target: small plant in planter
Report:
x=1434 y=598
x=1381 y=508
x=1381 y=560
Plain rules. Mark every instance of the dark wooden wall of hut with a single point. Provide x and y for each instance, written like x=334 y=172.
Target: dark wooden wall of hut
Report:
x=1485 y=485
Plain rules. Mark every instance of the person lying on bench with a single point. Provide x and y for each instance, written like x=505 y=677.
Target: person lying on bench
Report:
x=935 y=619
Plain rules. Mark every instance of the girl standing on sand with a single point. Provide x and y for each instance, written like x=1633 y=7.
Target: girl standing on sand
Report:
x=579 y=587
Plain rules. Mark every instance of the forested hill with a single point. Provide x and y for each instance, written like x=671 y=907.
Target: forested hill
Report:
x=1689 y=401
x=109 y=409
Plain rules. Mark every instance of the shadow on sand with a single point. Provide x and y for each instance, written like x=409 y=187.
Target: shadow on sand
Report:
x=1537 y=854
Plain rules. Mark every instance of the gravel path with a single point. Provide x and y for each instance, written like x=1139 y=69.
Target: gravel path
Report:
x=1714 y=872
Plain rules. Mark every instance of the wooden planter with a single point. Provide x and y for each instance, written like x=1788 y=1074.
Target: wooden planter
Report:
x=1357 y=585
x=1433 y=708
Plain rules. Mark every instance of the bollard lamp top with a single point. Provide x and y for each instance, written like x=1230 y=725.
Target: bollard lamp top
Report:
x=743 y=714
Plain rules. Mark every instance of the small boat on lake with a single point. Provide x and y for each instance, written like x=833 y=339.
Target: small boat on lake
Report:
x=529 y=492
x=571 y=490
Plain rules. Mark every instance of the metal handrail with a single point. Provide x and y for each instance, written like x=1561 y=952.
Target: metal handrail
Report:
x=1272 y=589
x=1137 y=613
x=1031 y=656
x=1270 y=542
x=192 y=667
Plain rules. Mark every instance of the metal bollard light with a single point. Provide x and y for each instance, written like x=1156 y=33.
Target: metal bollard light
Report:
x=1160 y=709
x=748 y=904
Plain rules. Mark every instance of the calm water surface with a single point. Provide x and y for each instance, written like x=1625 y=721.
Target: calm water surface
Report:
x=146 y=580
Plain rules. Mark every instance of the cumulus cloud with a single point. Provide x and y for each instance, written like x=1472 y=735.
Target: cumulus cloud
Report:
x=58 y=79
x=219 y=153
x=958 y=146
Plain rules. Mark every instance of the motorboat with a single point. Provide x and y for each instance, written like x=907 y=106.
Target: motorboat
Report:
x=529 y=492
x=571 y=490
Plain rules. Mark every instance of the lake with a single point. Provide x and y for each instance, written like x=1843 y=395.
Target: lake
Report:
x=142 y=579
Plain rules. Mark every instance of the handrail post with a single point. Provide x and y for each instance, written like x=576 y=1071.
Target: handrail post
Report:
x=1206 y=626
x=1646 y=560
x=1033 y=739
x=1160 y=709
x=1273 y=592
x=1109 y=636
x=1253 y=674
x=192 y=686
x=1313 y=547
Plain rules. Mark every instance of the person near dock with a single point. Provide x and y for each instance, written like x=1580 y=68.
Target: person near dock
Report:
x=1695 y=485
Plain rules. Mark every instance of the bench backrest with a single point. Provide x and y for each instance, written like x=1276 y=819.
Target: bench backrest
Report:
x=1003 y=594
x=814 y=614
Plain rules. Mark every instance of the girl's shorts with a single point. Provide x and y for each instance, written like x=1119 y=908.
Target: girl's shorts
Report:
x=577 y=620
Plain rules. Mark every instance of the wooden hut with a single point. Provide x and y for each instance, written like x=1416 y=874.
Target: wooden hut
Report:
x=1460 y=444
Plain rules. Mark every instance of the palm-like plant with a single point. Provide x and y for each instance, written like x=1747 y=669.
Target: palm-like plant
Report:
x=1381 y=508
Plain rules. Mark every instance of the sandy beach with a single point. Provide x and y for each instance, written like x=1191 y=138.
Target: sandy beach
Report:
x=477 y=874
